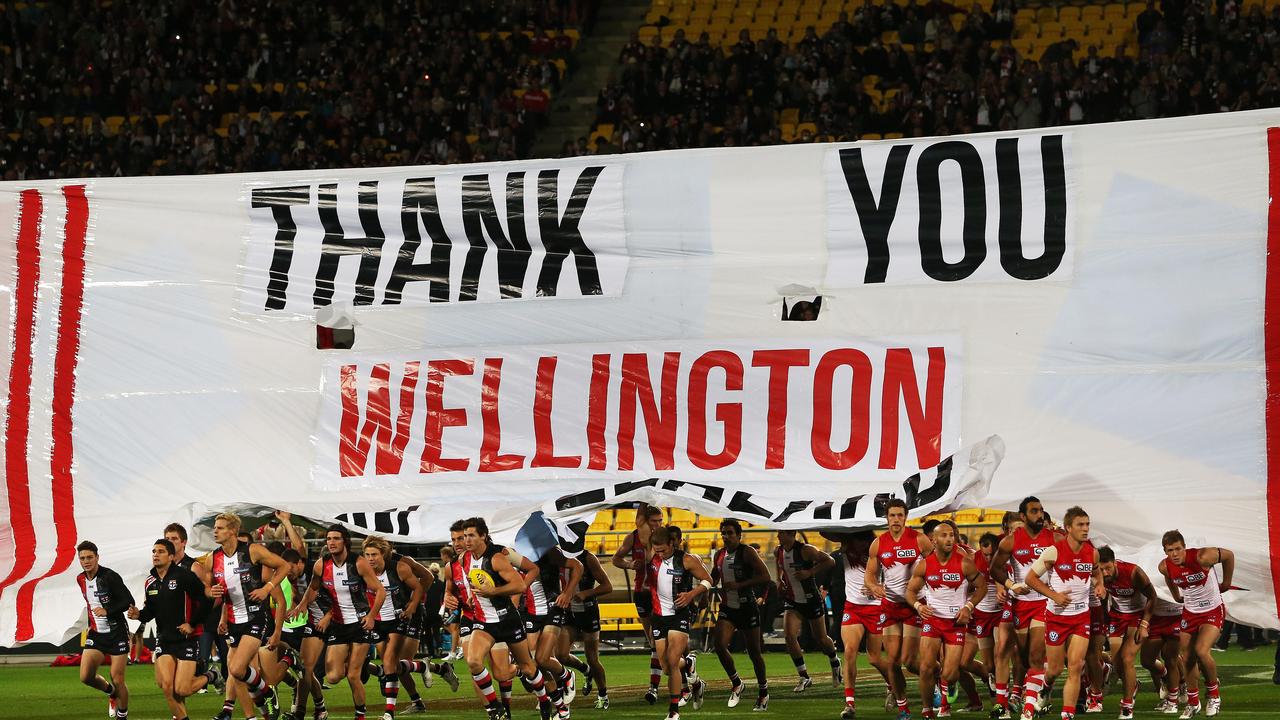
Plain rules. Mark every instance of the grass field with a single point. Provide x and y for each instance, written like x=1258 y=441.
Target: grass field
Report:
x=56 y=693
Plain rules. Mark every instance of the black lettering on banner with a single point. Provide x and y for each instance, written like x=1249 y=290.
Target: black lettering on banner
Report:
x=1053 y=164
x=915 y=498
x=741 y=503
x=792 y=508
x=479 y=210
x=823 y=511
x=880 y=504
x=710 y=493
x=875 y=219
x=561 y=236
x=419 y=201
x=280 y=200
x=337 y=244
x=590 y=497
x=974 y=228
x=850 y=507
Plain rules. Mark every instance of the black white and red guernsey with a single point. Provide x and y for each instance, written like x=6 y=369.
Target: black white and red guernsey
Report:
x=348 y=595
x=667 y=579
x=398 y=593
x=789 y=563
x=541 y=594
x=733 y=567
x=486 y=609
x=239 y=576
x=105 y=590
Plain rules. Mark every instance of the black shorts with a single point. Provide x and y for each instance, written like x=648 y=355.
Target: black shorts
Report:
x=586 y=620
x=115 y=642
x=411 y=628
x=255 y=628
x=660 y=625
x=644 y=604
x=535 y=623
x=464 y=626
x=384 y=629
x=508 y=629
x=746 y=617
x=188 y=649
x=810 y=610
x=347 y=634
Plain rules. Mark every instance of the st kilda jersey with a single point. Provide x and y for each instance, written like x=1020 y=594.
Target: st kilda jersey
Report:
x=348 y=594
x=398 y=592
x=641 y=555
x=173 y=600
x=105 y=590
x=791 y=562
x=667 y=579
x=478 y=569
x=462 y=590
x=240 y=576
x=734 y=567
x=1199 y=586
x=541 y=593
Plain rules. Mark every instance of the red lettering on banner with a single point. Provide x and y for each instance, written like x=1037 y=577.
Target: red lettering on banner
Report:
x=439 y=417
x=859 y=409
x=779 y=363
x=492 y=458
x=729 y=414
x=544 y=454
x=353 y=449
x=598 y=411
x=659 y=413
x=924 y=418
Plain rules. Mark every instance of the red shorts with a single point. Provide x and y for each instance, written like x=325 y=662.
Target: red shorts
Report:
x=867 y=616
x=1024 y=611
x=1006 y=613
x=945 y=629
x=1057 y=628
x=892 y=613
x=1097 y=620
x=1191 y=621
x=983 y=624
x=1164 y=627
x=1118 y=623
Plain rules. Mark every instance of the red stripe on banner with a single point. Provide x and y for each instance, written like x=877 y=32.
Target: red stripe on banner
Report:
x=17 y=420
x=65 y=358
x=1271 y=339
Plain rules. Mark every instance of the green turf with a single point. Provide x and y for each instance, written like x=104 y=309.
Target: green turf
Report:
x=27 y=692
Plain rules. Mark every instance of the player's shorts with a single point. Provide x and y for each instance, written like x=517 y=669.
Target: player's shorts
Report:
x=412 y=627
x=1164 y=627
x=347 y=634
x=506 y=629
x=661 y=625
x=186 y=649
x=1006 y=613
x=464 y=626
x=1057 y=628
x=644 y=603
x=811 y=610
x=944 y=629
x=293 y=637
x=255 y=628
x=115 y=642
x=1118 y=623
x=868 y=616
x=746 y=617
x=535 y=623
x=893 y=613
x=1027 y=611
x=983 y=623
x=384 y=629
x=1192 y=621
x=586 y=620
x=1097 y=620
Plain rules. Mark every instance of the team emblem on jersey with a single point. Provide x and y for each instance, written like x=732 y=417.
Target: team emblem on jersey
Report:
x=883 y=617
x=1054 y=635
x=927 y=627
x=480 y=578
x=886 y=555
x=173 y=584
x=845 y=619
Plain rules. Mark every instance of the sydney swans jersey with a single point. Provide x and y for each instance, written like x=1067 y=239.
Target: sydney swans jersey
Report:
x=855 y=589
x=239 y=576
x=1199 y=586
x=946 y=587
x=991 y=601
x=667 y=579
x=1026 y=550
x=897 y=559
x=1072 y=575
x=1126 y=598
x=348 y=596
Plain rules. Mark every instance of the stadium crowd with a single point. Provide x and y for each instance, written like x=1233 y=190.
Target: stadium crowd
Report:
x=251 y=85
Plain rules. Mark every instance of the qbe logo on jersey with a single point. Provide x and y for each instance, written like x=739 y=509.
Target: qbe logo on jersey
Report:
x=982 y=209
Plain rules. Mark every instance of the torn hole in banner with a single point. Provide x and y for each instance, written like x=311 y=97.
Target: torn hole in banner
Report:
x=800 y=303
x=335 y=327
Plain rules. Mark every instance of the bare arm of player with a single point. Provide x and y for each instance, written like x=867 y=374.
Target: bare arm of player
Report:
x=1046 y=560
x=872 y=575
x=603 y=585
x=295 y=538
x=914 y=586
x=277 y=614
x=450 y=600
x=1099 y=583
x=622 y=558
x=822 y=562
x=1144 y=586
x=693 y=564
x=210 y=589
x=260 y=554
x=1168 y=582
x=1220 y=555
x=308 y=595
x=379 y=592
x=925 y=545
x=977 y=590
x=410 y=578
x=1000 y=562
x=565 y=598
x=513 y=583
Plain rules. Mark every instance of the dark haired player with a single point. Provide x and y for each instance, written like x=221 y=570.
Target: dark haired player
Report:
x=741 y=573
x=892 y=558
x=799 y=567
x=633 y=555
x=584 y=625
x=107 y=599
x=1018 y=551
x=671 y=573
x=1133 y=600
x=1189 y=574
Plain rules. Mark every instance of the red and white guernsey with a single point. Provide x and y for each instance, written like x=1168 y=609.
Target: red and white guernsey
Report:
x=1026 y=550
x=1072 y=575
x=897 y=558
x=946 y=587
x=855 y=589
x=990 y=602
x=669 y=578
x=239 y=575
x=1124 y=595
x=348 y=596
x=1199 y=586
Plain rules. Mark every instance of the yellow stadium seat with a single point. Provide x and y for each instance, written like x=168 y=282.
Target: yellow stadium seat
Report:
x=610 y=543
x=619 y=617
x=1047 y=14
x=1091 y=13
x=701 y=543
x=871 y=136
x=893 y=136
x=683 y=519
x=1069 y=14
x=969 y=516
x=708 y=523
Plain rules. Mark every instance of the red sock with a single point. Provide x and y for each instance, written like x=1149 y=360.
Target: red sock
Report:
x=1193 y=697
x=848 y=696
x=1002 y=694
x=1213 y=690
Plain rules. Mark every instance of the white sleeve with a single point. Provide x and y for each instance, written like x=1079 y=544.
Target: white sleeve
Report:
x=1046 y=560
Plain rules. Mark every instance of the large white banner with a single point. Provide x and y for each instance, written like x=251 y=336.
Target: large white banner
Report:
x=1088 y=304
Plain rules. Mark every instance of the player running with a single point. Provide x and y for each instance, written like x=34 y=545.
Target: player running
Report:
x=398 y=612
x=1160 y=654
x=984 y=620
x=952 y=587
x=1073 y=574
x=107 y=599
x=584 y=625
x=1018 y=551
x=892 y=558
x=1189 y=574
x=1133 y=600
x=739 y=571
x=861 y=614
x=546 y=612
x=799 y=566
x=633 y=555
x=672 y=594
